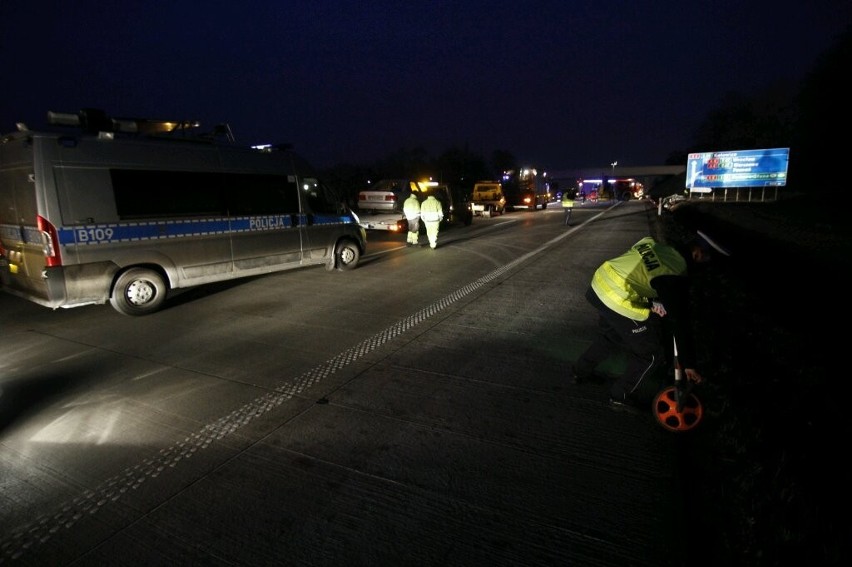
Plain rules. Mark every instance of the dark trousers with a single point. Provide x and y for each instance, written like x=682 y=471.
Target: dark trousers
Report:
x=413 y=230
x=640 y=341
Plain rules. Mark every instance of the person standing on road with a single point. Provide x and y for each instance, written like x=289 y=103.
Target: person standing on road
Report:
x=568 y=203
x=432 y=213
x=411 y=208
x=634 y=294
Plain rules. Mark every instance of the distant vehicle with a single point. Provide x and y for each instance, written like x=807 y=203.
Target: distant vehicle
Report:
x=380 y=206
x=124 y=210
x=487 y=199
x=627 y=188
x=527 y=189
x=671 y=201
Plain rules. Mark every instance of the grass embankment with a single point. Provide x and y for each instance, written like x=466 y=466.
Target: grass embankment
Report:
x=765 y=472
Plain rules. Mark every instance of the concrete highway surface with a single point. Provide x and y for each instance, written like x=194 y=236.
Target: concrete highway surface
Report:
x=413 y=411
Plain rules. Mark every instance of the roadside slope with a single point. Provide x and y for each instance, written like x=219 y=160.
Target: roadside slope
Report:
x=760 y=478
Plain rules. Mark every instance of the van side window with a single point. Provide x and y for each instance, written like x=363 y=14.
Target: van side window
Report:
x=143 y=193
x=157 y=193
x=260 y=194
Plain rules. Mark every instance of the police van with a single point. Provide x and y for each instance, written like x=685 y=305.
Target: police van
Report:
x=95 y=209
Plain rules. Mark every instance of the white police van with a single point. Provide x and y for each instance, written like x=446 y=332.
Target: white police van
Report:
x=96 y=209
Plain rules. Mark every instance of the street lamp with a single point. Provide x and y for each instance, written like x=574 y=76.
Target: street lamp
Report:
x=610 y=186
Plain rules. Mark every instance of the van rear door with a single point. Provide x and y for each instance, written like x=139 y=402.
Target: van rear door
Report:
x=22 y=244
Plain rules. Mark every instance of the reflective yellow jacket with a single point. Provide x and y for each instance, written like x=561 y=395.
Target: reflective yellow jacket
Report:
x=411 y=207
x=431 y=210
x=623 y=284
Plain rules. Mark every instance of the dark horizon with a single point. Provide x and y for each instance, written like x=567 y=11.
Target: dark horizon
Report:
x=560 y=85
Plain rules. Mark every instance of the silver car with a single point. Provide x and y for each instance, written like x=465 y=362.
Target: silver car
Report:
x=387 y=195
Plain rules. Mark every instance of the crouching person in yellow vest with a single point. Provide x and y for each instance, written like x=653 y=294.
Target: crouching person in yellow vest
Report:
x=432 y=213
x=634 y=294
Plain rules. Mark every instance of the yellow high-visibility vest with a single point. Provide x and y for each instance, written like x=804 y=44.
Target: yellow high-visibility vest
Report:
x=431 y=209
x=411 y=207
x=624 y=283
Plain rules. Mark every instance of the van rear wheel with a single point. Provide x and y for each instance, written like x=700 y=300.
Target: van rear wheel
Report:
x=138 y=291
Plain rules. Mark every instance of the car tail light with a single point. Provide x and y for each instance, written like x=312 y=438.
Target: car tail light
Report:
x=49 y=241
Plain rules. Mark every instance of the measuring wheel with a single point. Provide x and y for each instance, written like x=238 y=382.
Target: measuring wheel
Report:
x=677 y=411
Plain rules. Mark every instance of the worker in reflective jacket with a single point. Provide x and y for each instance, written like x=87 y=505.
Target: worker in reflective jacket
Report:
x=411 y=208
x=568 y=203
x=432 y=213
x=634 y=294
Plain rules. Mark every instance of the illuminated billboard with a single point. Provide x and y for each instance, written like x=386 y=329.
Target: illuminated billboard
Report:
x=744 y=168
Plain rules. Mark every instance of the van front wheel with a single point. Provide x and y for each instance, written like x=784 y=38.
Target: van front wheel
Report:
x=347 y=254
x=138 y=291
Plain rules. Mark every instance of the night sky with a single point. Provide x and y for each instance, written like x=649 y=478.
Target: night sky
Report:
x=559 y=84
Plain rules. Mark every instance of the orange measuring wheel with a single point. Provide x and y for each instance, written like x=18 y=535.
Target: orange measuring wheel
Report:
x=674 y=418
